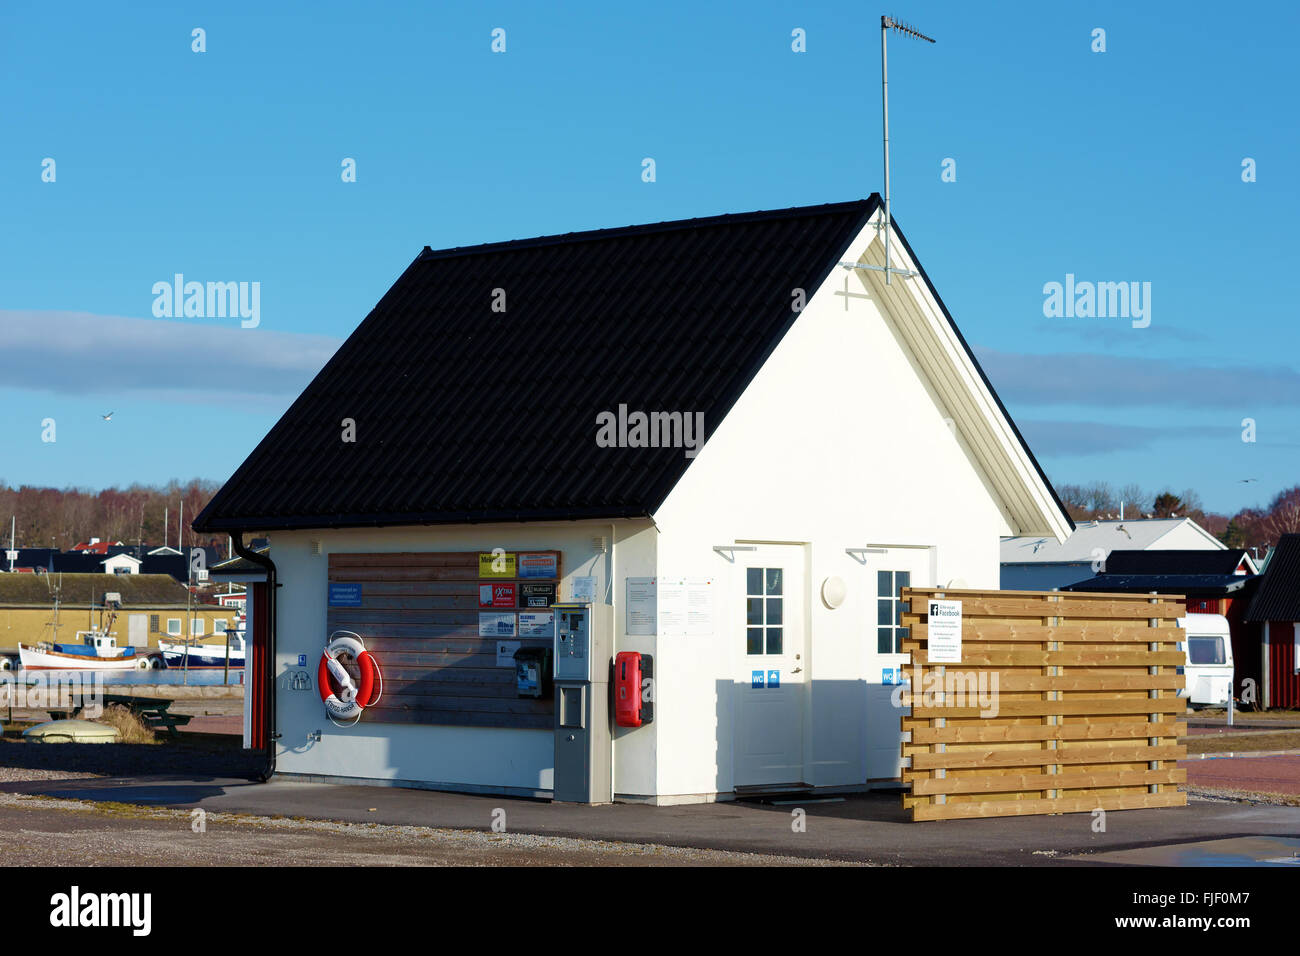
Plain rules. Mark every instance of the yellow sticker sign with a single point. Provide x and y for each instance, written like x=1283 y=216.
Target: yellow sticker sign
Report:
x=498 y=564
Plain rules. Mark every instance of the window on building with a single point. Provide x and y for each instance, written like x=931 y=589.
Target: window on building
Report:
x=174 y=626
x=196 y=627
x=890 y=632
x=764 y=610
x=219 y=625
x=153 y=623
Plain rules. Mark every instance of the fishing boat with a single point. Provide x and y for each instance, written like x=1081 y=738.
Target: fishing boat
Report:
x=202 y=656
x=96 y=651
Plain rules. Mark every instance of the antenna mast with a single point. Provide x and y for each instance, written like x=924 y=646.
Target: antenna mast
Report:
x=887 y=24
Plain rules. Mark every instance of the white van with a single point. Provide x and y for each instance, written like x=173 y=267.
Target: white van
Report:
x=1208 y=647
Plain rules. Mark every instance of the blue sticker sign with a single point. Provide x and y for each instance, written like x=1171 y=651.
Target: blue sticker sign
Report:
x=345 y=595
x=773 y=678
x=887 y=675
x=302 y=660
x=755 y=679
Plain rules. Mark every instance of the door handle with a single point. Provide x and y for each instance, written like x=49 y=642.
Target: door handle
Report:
x=797 y=670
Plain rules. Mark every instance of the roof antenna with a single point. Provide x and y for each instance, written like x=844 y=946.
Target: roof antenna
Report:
x=887 y=24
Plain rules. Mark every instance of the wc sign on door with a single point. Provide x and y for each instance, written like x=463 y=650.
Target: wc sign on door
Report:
x=943 y=632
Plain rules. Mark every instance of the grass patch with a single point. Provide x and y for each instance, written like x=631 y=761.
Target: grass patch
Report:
x=130 y=728
x=1242 y=743
x=1253 y=715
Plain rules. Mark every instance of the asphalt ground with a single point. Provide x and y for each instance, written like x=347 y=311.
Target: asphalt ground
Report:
x=866 y=828
x=40 y=831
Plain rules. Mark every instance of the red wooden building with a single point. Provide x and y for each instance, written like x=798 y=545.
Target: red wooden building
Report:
x=1274 y=618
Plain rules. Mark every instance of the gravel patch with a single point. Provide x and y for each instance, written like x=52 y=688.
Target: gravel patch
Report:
x=46 y=831
x=20 y=774
x=1257 y=797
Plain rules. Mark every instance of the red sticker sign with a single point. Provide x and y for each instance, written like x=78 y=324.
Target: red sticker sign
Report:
x=496 y=595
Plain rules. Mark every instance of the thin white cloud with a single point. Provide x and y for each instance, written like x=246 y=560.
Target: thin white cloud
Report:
x=80 y=353
x=1082 y=378
x=1051 y=439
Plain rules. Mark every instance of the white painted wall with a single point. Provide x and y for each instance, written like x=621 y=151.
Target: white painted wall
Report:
x=836 y=443
x=455 y=756
x=121 y=564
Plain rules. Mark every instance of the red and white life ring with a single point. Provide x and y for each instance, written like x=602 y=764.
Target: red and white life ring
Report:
x=343 y=699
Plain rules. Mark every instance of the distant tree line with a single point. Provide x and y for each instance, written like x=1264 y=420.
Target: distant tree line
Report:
x=63 y=517
x=1248 y=528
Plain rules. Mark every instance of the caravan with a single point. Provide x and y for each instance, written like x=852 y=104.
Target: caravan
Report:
x=1208 y=646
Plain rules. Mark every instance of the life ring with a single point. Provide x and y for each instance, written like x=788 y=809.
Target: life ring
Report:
x=342 y=698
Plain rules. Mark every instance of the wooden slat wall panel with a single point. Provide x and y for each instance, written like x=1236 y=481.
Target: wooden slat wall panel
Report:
x=1087 y=709
x=419 y=617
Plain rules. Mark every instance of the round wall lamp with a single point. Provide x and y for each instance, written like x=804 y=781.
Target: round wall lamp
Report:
x=833 y=592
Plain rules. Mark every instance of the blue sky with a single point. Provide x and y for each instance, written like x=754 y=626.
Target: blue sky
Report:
x=225 y=165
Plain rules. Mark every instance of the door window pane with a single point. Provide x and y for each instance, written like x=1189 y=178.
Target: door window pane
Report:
x=890 y=609
x=764 y=611
x=774 y=611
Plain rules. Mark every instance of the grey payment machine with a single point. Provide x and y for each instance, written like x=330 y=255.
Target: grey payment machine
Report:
x=583 y=633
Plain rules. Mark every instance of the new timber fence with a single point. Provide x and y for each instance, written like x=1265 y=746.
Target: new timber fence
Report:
x=1062 y=703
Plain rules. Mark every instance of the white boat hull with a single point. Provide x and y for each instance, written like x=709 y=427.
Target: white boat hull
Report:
x=36 y=659
x=200 y=655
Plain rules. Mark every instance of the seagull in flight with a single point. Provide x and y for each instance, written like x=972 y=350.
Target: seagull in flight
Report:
x=1246 y=481
x=108 y=417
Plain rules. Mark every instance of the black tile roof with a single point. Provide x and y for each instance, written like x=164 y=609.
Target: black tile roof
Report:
x=1278 y=597
x=465 y=415
x=1176 y=561
x=1202 y=585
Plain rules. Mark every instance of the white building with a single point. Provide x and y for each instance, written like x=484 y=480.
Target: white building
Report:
x=853 y=445
x=121 y=564
x=1041 y=563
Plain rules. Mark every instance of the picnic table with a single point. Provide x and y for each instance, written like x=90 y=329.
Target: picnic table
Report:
x=154 y=712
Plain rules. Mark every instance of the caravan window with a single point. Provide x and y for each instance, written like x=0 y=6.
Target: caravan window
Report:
x=1205 y=650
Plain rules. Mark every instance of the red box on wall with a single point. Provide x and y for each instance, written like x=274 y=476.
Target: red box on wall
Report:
x=633 y=688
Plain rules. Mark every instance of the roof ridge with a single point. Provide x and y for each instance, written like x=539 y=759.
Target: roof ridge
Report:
x=649 y=228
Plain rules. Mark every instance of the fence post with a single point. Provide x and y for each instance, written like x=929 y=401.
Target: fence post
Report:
x=1051 y=720
x=1153 y=670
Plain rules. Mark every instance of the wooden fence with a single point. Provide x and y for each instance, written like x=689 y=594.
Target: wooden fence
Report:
x=1062 y=703
x=434 y=620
